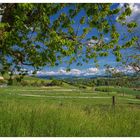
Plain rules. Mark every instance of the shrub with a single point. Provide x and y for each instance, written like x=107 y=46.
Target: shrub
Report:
x=2 y=82
x=24 y=83
x=136 y=89
x=35 y=84
x=42 y=83
x=82 y=87
x=56 y=83
x=137 y=96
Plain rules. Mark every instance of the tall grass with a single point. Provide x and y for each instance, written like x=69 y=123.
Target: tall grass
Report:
x=42 y=119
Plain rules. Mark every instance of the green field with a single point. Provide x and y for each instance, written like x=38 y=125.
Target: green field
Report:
x=68 y=111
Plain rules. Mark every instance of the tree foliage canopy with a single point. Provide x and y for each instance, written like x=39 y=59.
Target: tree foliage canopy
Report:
x=43 y=34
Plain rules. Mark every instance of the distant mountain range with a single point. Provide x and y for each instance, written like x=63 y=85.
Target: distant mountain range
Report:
x=76 y=77
x=65 y=76
x=70 y=77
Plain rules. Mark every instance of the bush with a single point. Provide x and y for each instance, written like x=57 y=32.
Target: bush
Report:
x=35 y=84
x=2 y=82
x=42 y=83
x=24 y=83
x=136 y=89
x=82 y=87
x=56 y=83
x=137 y=96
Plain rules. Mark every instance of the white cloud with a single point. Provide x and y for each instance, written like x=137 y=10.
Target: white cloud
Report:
x=73 y=72
x=127 y=69
x=124 y=69
x=92 y=71
x=47 y=73
x=91 y=42
x=62 y=71
x=135 y=15
x=85 y=72
x=106 y=39
x=135 y=7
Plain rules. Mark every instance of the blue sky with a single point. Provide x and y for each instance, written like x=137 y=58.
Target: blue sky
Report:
x=102 y=61
x=111 y=60
x=90 y=66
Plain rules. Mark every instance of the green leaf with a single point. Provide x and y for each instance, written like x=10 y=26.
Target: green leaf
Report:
x=82 y=20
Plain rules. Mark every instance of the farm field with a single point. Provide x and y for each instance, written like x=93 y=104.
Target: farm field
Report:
x=68 y=111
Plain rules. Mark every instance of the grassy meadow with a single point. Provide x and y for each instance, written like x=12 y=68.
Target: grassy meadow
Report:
x=68 y=111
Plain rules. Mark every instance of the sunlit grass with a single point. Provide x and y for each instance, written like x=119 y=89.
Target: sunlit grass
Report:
x=42 y=119
x=42 y=116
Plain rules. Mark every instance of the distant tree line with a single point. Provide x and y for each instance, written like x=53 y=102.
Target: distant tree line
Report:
x=81 y=83
x=121 y=81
